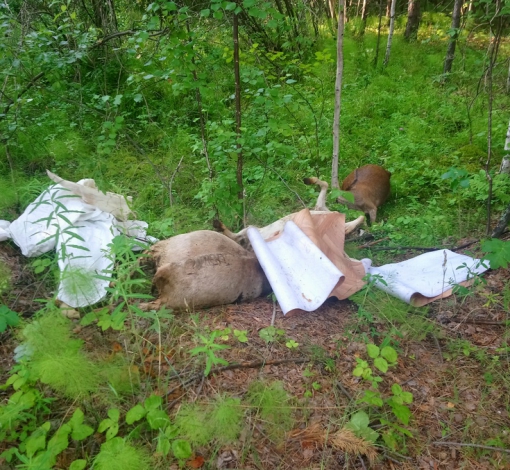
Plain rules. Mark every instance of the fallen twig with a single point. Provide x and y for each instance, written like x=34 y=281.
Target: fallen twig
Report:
x=344 y=390
x=416 y=375
x=478 y=446
x=242 y=365
x=368 y=245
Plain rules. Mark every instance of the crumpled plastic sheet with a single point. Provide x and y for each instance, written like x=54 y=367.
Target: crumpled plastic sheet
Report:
x=81 y=234
x=427 y=277
x=301 y=275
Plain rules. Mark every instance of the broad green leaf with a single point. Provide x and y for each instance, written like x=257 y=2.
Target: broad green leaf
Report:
x=114 y=414
x=372 y=350
x=60 y=440
x=153 y=402
x=79 y=464
x=134 y=414
x=402 y=412
x=112 y=431
x=163 y=446
x=381 y=364
x=396 y=389
x=157 y=419
x=389 y=354
x=37 y=440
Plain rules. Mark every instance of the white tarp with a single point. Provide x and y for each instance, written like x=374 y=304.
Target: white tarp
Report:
x=301 y=275
x=80 y=232
x=426 y=277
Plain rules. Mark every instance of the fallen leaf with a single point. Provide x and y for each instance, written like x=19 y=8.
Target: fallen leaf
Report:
x=197 y=462
x=450 y=405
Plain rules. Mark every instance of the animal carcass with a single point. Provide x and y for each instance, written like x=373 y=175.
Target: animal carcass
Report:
x=204 y=269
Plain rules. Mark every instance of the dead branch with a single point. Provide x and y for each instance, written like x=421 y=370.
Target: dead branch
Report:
x=241 y=365
x=368 y=245
x=344 y=390
x=477 y=446
x=118 y=34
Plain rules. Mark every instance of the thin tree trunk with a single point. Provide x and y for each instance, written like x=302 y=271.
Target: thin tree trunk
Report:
x=388 y=12
x=413 y=20
x=390 y=34
x=450 y=51
x=505 y=163
x=237 y=76
x=376 y=58
x=338 y=94
x=508 y=79
x=364 y=14
x=504 y=168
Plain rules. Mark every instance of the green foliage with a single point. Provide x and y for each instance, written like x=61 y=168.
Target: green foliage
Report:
x=497 y=253
x=209 y=349
x=56 y=358
x=117 y=454
x=273 y=404
x=397 y=402
x=359 y=425
x=221 y=421
x=5 y=278
x=270 y=334
x=7 y=318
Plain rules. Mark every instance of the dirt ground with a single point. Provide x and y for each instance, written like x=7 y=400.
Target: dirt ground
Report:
x=459 y=378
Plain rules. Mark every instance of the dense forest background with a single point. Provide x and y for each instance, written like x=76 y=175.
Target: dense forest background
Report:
x=218 y=109
x=141 y=97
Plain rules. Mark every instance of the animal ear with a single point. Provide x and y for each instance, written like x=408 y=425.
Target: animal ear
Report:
x=218 y=225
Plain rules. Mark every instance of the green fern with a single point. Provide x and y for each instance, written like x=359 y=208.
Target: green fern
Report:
x=117 y=454
x=226 y=419
x=70 y=374
x=274 y=407
x=192 y=422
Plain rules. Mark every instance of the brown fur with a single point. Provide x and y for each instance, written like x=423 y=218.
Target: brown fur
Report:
x=370 y=185
x=204 y=269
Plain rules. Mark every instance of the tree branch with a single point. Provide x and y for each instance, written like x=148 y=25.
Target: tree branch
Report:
x=30 y=85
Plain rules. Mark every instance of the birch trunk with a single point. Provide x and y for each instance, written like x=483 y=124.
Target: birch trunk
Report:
x=450 y=52
x=239 y=173
x=338 y=94
x=390 y=34
x=504 y=168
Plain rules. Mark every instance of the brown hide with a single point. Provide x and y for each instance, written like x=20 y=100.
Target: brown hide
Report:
x=370 y=185
x=204 y=269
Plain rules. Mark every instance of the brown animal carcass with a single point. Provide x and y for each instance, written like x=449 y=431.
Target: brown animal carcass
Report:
x=204 y=269
x=370 y=186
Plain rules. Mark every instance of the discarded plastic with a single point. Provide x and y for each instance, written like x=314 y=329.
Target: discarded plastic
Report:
x=81 y=233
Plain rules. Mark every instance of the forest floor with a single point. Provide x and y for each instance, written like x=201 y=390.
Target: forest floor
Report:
x=458 y=376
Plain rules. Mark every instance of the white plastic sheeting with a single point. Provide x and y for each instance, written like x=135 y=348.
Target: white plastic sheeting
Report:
x=425 y=278
x=80 y=232
x=301 y=275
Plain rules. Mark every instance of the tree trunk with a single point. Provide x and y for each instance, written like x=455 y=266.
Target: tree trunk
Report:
x=413 y=20
x=338 y=94
x=364 y=14
x=388 y=12
x=376 y=58
x=105 y=17
x=505 y=163
x=237 y=76
x=390 y=34
x=450 y=51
